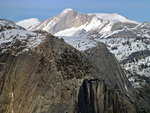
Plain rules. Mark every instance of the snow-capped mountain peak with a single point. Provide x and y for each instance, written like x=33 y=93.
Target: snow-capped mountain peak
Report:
x=67 y=10
x=68 y=18
x=28 y=23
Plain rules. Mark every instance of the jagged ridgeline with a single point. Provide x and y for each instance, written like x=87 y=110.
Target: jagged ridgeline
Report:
x=40 y=73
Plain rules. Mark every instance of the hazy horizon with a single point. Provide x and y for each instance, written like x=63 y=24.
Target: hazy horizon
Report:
x=16 y=10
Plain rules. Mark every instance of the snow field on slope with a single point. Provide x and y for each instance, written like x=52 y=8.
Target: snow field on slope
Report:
x=81 y=44
x=33 y=39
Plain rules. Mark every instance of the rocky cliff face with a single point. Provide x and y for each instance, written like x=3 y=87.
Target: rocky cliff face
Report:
x=95 y=97
x=112 y=73
x=53 y=77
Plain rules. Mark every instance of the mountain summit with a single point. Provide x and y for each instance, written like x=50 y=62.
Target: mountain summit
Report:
x=68 y=10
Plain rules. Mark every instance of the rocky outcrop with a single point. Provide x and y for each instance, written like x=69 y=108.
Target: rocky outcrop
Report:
x=56 y=78
x=112 y=73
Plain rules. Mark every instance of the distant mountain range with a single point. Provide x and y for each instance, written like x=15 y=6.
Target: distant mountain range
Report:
x=70 y=21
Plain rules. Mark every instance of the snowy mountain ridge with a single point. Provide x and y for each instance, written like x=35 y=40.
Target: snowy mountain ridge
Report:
x=69 y=19
x=115 y=17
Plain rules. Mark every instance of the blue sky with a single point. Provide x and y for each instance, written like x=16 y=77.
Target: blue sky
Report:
x=16 y=10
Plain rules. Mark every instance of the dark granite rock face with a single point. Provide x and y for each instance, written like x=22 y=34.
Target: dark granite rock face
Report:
x=56 y=78
x=94 y=97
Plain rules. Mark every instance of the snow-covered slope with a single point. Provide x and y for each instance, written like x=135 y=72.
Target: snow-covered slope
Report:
x=81 y=44
x=28 y=23
x=115 y=17
x=17 y=38
x=95 y=24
